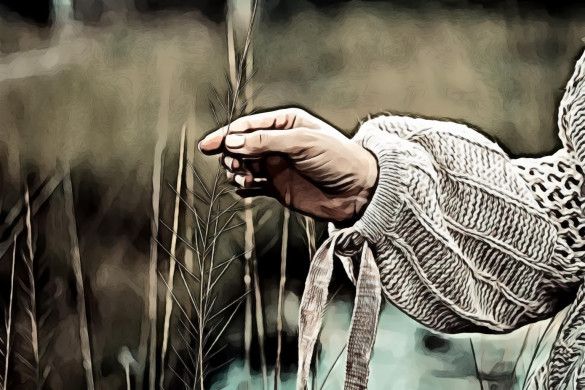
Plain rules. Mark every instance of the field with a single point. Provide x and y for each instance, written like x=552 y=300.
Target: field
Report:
x=105 y=101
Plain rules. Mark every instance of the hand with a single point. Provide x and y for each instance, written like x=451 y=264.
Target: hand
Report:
x=300 y=160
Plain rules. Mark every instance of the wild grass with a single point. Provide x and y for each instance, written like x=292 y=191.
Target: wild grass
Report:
x=248 y=217
x=160 y=146
x=538 y=348
x=172 y=263
x=330 y=369
x=476 y=364
x=310 y=234
x=281 y=287
x=126 y=359
x=239 y=98
x=208 y=323
x=77 y=271
x=29 y=261
x=8 y=324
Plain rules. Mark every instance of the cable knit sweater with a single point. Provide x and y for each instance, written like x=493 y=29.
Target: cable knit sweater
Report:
x=463 y=239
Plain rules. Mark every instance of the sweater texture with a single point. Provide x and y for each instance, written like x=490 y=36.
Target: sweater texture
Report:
x=463 y=238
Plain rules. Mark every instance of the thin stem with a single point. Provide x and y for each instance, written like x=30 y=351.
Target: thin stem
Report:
x=280 y=308
x=202 y=283
x=9 y=321
x=477 y=372
x=77 y=270
x=32 y=311
x=332 y=367
x=172 y=262
x=536 y=351
x=160 y=145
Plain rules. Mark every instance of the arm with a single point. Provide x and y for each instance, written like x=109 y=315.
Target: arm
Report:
x=462 y=243
x=460 y=240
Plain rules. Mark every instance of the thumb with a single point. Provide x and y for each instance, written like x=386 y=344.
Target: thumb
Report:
x=267 y=141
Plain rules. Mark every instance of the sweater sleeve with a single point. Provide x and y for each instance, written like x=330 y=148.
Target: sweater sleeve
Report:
x=460 y=241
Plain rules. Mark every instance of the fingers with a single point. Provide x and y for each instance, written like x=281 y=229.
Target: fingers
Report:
x=290 y=142
x=274 y=120
x=279 y=119
x=231 y=163
x=245 y=180
x=240 y=175
x=213 y=142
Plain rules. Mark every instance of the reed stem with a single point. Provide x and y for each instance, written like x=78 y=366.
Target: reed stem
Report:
x=77 y=270
x=280 y=309
x=172 y=263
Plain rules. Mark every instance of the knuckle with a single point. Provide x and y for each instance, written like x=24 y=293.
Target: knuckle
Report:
x=255 y=141
x=306 y=136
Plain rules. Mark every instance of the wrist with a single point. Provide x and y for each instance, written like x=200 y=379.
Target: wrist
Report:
x=370 y=180
x=388 y=193
x=354 y=206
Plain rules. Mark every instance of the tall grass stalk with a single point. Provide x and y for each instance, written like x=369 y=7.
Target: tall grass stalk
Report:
x=259 y=311
x=161 y=141
x=309 y=225
x=476 y=364
x=331 y=368
x=13 y=220
x=189 y=184
x=7 y=350
x=172 y=264
x=209 y=323
x=240 y=75
x=205 y=249
x=32 y=309
x=77 y=271
x=279 y=317
x=249 y=229
x=537 y=350
x=520 y=353
x=125 y=358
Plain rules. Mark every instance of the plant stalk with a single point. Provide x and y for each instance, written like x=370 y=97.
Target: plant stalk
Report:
x=172 y=263
x=280 y=308
x=77 y=270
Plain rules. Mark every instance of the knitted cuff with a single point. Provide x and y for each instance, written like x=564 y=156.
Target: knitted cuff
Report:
x=382 y=212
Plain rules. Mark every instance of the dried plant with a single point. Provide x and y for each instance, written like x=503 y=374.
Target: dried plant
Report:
x=331 y=368
x=172 y=265
x=538 y=348
x=207 y=324
x=310 y=234
x=31 y=359
x=280 y=308
x=14 y=220
x=476 y=364
x=160 y=146
x=8 y=325
x=77 y=270
x=126 y=359
x=240 y=75
x=32 y=310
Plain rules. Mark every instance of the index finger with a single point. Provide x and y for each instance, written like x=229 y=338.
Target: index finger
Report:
x=279 y=119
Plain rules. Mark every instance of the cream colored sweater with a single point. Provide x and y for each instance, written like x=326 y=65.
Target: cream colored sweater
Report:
x=463 y=239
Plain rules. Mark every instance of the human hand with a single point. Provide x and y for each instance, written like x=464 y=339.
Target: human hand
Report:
x=298 y=159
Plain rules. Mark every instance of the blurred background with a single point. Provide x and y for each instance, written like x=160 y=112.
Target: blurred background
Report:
x=102 y=103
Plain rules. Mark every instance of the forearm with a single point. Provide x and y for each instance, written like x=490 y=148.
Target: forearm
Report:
x=461 y=242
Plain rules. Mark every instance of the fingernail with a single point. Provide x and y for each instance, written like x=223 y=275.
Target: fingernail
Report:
x=234 y=141
x=229 y=162
x=241 y=180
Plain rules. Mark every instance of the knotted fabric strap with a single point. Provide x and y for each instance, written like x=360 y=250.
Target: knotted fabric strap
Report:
x=364 y=320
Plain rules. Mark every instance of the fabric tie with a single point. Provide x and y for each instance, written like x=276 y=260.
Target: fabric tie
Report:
x=364 y=319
